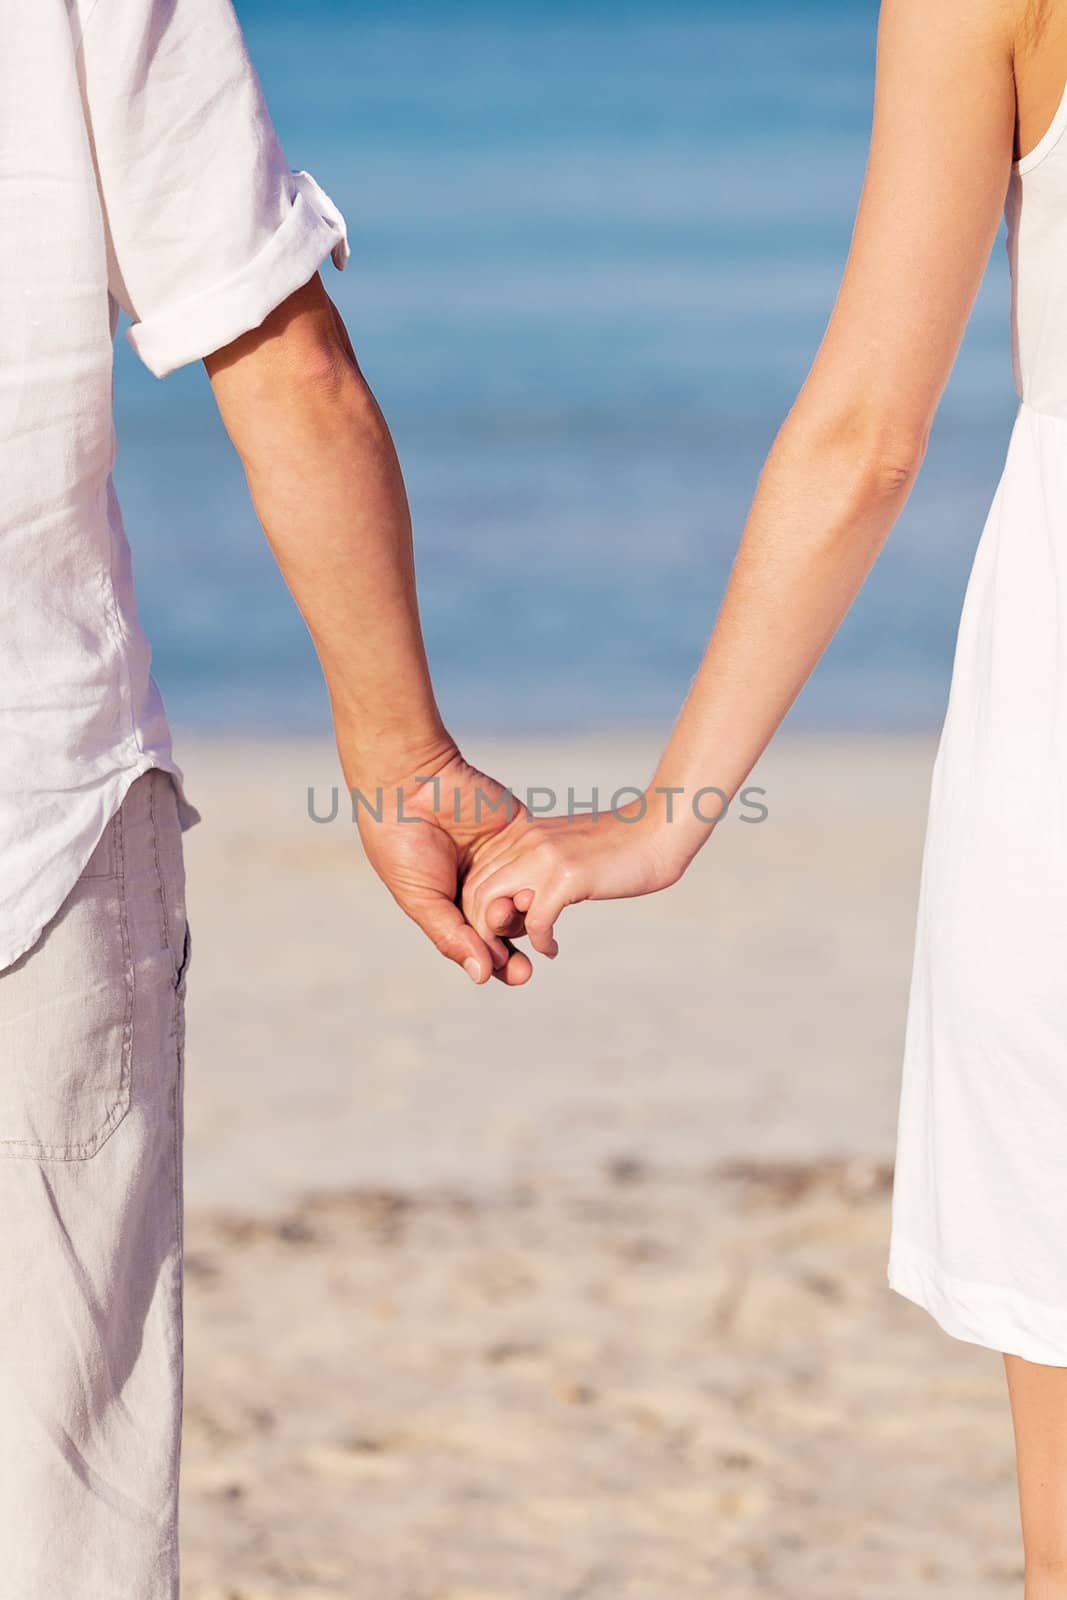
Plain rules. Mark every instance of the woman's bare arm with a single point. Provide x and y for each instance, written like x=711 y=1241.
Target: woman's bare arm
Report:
x=842 y=465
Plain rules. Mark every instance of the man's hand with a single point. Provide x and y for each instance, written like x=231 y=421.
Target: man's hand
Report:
x=434 y=825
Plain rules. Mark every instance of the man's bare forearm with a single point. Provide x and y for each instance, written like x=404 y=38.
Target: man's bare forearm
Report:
x=328 y=490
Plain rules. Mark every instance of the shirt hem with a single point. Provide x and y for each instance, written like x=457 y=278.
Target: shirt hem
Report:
x=116 y=790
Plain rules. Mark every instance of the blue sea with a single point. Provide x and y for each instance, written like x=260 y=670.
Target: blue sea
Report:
x=594 y=250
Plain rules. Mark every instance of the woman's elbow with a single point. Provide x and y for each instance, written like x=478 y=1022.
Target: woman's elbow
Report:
x=877 y=454
x=892 y=472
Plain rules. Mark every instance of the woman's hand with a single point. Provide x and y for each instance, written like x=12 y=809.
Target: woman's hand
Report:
x=524 y=876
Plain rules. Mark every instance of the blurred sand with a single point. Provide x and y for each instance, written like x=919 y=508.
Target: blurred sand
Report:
x=579 y=1290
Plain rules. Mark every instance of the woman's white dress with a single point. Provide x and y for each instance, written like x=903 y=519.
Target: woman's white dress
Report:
x=979 y=1232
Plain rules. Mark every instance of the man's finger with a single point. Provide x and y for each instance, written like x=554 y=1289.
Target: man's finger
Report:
x=445 y=925
x=517 y=970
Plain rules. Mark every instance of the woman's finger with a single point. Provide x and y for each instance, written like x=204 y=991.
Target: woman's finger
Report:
x=493 y=897
x=502 y=917
x=541 y=926
x=548 y=905
x=546 y=886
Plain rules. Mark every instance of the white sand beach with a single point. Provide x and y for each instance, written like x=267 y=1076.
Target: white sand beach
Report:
x=579 y=1290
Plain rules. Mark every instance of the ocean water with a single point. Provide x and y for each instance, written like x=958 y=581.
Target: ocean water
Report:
x=594 y=251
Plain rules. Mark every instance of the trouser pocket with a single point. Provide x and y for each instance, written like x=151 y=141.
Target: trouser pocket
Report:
x=66 y=1027
x=183 y=960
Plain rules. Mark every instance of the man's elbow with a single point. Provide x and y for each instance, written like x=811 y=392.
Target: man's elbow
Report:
x=297 y=369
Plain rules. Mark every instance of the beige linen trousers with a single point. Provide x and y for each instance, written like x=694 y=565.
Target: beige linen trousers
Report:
x=91 y=1080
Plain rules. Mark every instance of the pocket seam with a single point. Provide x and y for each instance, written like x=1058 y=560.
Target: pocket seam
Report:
x=107 y=844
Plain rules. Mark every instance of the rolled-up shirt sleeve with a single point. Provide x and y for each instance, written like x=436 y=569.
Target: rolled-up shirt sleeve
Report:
x=207 y=227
